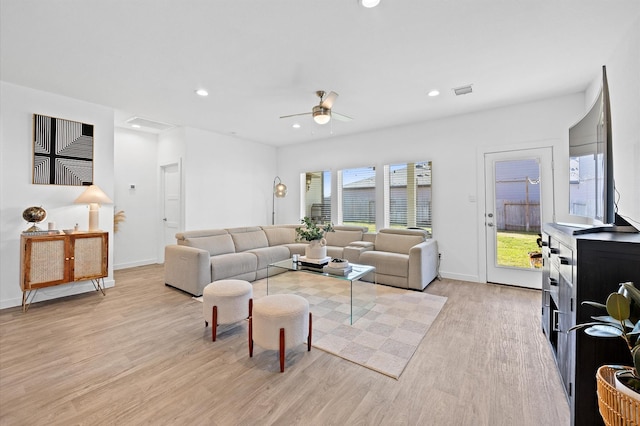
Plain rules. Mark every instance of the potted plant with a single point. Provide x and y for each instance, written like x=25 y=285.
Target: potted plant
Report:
x=314 y=234
x=623 y=321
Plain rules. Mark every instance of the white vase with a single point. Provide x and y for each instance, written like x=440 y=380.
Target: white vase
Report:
x=317 y=249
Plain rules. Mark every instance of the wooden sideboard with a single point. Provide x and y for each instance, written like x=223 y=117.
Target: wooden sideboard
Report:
x=577 y=268
x=49 y=260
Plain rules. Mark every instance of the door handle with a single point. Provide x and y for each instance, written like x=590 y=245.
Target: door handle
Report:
x=165 y=219
x=555 y=322
x=490 y=224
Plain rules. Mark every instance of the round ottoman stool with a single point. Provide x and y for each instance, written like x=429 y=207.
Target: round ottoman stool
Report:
x=225 y=302
x=278 y=322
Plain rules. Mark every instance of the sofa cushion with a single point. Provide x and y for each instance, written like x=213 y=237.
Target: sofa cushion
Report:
x=396 y=243
x=267 y=255
x=248 y=238
x=215 y=245
x=342 y=238
x=335 y=252
x=279 y=236
x=296 y=248
x=232 y=265
x=387 y=263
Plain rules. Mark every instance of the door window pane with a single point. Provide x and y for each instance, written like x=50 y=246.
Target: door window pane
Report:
x=517 y=212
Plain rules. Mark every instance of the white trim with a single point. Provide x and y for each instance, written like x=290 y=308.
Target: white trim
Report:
x=481 y=151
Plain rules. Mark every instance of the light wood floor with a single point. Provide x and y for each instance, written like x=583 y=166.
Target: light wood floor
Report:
x=141 y=355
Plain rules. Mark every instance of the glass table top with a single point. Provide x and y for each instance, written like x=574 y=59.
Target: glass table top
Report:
x=357 y=297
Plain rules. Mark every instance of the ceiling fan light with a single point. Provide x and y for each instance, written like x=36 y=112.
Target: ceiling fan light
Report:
x=321 y=115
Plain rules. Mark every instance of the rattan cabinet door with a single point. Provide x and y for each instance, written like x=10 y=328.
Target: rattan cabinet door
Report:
x=44 y=261
x=89 y=256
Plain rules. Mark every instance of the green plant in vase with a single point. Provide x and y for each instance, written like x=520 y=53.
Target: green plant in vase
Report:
x=623 y=321
x=314 y=234
x=311 y=231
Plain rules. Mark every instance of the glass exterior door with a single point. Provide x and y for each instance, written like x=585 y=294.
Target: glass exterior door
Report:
x=518 y=190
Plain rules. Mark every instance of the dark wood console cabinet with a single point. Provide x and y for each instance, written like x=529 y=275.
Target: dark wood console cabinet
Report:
x=578 y=268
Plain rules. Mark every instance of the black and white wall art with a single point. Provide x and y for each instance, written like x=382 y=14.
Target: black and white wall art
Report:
x=62 y=151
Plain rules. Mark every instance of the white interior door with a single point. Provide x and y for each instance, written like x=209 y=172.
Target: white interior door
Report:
x=519 y=198
x=171 y=203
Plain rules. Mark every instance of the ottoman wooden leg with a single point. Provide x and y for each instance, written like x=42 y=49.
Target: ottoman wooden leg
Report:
x=250 y=328
x=282 y=350
x=250 y=337
x=309 y=338
x=214 y=323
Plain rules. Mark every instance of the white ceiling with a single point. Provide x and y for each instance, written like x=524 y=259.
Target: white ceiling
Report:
x=263 y=59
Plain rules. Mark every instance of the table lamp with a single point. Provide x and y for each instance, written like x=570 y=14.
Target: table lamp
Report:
x=94 y=196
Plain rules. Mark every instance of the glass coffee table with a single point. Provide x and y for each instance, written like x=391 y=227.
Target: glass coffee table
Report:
x=345 y=293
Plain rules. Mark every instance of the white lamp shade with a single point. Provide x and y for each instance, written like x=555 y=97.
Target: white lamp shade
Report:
x=93 y=194
x=280 y=190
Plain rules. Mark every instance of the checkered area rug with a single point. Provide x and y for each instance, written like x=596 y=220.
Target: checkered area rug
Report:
x=383 y=339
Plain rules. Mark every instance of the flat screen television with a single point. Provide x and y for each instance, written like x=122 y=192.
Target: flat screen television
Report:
x=591 y=183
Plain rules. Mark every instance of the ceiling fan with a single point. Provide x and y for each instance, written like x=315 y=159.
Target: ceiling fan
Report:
x=322 y=112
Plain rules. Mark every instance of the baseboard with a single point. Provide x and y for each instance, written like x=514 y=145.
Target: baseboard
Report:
x=460 y=277
x=134 y=264
x=55 y=292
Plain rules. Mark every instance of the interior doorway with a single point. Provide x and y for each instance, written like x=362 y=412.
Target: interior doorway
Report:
x=518 y=200
x=171 y=204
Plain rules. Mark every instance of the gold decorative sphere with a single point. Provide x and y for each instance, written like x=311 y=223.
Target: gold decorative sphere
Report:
x=34 y=215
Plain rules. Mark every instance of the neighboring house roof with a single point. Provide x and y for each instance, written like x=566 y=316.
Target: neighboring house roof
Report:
x=398 y=178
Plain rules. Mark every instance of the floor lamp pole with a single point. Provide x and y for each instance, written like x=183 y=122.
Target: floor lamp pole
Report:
x=273 y=204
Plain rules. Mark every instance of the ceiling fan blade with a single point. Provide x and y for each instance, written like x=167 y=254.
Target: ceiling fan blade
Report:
x=295 y=115
x=340 y=117
x=328 y=101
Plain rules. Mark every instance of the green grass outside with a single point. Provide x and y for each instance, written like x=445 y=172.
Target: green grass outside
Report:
x=514 y=247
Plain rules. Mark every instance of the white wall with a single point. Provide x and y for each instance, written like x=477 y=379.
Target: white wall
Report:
x=136 y=163
x=18 y=104
x=453 y=144
x=227 y=181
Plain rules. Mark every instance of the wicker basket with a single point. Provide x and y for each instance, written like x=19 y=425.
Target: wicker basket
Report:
x=616 y=408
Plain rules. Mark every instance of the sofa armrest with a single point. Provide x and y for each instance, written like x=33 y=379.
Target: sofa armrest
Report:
x=353 y=251
x=187 y=268
x=423 y=264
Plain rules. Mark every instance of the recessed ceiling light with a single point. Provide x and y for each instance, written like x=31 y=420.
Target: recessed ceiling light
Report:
x=135 y=126
x=369 y=3
x=433 y=93
x=296 y=125
x=202 y=92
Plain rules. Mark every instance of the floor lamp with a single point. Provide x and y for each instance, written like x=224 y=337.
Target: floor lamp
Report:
x=280 y=191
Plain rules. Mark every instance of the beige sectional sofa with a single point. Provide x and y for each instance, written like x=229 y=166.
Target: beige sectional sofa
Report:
x=405 y=258
x=201 y=257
